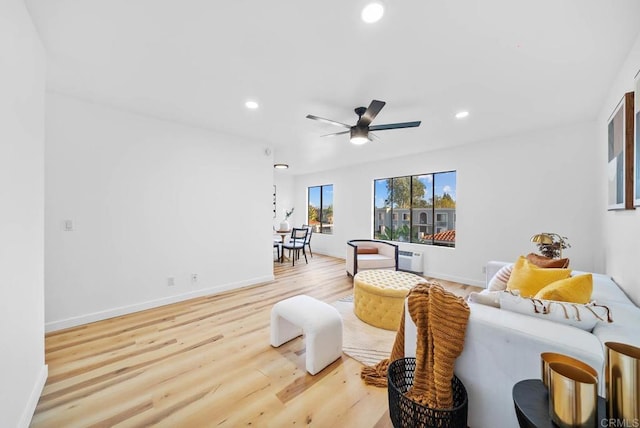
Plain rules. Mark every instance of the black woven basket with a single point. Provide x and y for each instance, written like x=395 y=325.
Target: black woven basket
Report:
x=407 y=413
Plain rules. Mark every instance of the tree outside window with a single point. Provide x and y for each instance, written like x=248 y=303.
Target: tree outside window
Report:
x=320 y=208
x=416 y=200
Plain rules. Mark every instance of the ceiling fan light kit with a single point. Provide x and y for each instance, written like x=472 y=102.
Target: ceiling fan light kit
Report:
x=372 y=12
x=359 y=133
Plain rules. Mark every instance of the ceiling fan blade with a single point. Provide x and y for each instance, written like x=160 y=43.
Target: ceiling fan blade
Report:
x=332 y=122
x=374 y=137
x=371 y=112
x=394 y=126
x=336 y=133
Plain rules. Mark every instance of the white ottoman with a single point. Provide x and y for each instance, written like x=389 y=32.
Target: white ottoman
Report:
x=319 y=322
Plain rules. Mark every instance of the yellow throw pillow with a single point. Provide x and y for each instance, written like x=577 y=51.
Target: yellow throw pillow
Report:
x=528 y=279
x=576 y=289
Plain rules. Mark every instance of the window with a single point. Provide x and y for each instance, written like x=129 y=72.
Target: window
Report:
x=418 y=200
x=320 y=208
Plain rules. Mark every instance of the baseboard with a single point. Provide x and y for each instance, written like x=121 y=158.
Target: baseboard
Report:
x=34 y=397
x=124 y=310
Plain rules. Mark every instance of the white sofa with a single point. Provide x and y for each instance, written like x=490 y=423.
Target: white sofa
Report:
x=501 y=348
x=386 y=256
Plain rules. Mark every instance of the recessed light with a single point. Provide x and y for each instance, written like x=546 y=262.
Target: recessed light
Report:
x=462 y=114
x=281 y=166
x=372 y=12
x=251 y=105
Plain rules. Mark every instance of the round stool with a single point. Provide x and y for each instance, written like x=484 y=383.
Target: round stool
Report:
x=378 y=296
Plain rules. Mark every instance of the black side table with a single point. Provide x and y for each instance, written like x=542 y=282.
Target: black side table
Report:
x=531 y=399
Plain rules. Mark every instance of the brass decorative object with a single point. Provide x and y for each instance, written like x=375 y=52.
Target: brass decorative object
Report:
x=551 y=244
x=573 y=396
x=553 y=357
x=623 y=382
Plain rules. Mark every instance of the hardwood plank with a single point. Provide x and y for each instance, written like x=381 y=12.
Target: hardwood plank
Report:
x=207 y=362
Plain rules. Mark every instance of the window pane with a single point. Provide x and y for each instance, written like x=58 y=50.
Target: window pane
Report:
x=421 y=225
x=313 y=211
x=445 y=208
x=382 y=209
x=401 y=198
x=327 y=209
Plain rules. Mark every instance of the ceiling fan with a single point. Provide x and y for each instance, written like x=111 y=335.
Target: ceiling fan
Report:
x=360 y=131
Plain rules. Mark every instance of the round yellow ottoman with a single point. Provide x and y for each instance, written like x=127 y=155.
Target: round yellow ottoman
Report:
x=378 y=296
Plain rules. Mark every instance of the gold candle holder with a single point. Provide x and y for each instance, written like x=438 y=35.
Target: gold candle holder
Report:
x=553 y=357
x=622 y=377
x=573 y=396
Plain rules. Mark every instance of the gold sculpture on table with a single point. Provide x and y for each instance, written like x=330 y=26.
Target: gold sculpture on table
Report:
x=573 y=396
x=623 y=383
x=551 y=244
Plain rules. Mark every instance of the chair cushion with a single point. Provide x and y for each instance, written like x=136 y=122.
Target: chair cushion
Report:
x=375 y=261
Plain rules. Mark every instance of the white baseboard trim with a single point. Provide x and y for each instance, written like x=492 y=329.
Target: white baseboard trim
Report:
x=461 y=280
x=123 y=310
x=36 y=392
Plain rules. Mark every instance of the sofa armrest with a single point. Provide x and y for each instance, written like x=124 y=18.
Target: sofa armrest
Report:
x=502 y=348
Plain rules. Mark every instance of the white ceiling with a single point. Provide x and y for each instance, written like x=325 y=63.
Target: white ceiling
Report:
x=515 y=65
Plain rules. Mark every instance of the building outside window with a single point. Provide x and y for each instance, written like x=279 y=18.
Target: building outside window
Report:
x=418 y=199
x=320 y=208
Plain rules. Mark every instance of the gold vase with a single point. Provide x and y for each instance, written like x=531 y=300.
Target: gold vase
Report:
x=623 y=382
x=553 y=357
x=573 y=396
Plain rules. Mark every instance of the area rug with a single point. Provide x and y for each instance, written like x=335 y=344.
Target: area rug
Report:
x=361 y=341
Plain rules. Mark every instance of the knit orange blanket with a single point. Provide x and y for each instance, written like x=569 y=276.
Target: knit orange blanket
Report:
x=441 y=319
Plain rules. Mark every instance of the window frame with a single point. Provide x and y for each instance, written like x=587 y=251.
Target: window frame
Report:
x=322 y=226
x=416 y=211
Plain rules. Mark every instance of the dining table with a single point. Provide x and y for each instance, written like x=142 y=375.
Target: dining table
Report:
x=283 y=234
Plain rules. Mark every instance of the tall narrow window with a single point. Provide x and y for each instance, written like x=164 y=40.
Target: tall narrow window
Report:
x=418 y=208
x=320 y=208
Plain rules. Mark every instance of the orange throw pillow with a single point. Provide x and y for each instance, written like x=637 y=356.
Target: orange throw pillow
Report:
x=367 y=250
x=546 y=262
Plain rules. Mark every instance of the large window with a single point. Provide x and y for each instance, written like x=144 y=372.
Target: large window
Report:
x=320 y=208
x=417 y=208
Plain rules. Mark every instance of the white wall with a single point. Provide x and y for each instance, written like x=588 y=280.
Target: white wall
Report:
x=22 y=368
x=508 y=190
x=620 y=239
x=148 y=200
x=285 y=200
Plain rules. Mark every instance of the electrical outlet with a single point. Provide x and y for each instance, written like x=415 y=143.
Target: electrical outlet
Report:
x=484 y=269
x=171 y=281
x=194 y=278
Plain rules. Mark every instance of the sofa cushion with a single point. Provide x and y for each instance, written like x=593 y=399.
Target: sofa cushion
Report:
x=575 y=289
x=528 y=279
x=547 y=262
x=625 y=327
x=583 y=317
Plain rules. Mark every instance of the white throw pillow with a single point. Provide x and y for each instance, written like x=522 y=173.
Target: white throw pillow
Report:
x=583 y=317
x=500 y=279
x=485 y=297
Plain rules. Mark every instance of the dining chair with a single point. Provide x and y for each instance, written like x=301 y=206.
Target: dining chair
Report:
x=297 y=243
x=307 y=242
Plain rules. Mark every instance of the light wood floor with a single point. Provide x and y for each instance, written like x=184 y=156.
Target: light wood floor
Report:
x=207 y=362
